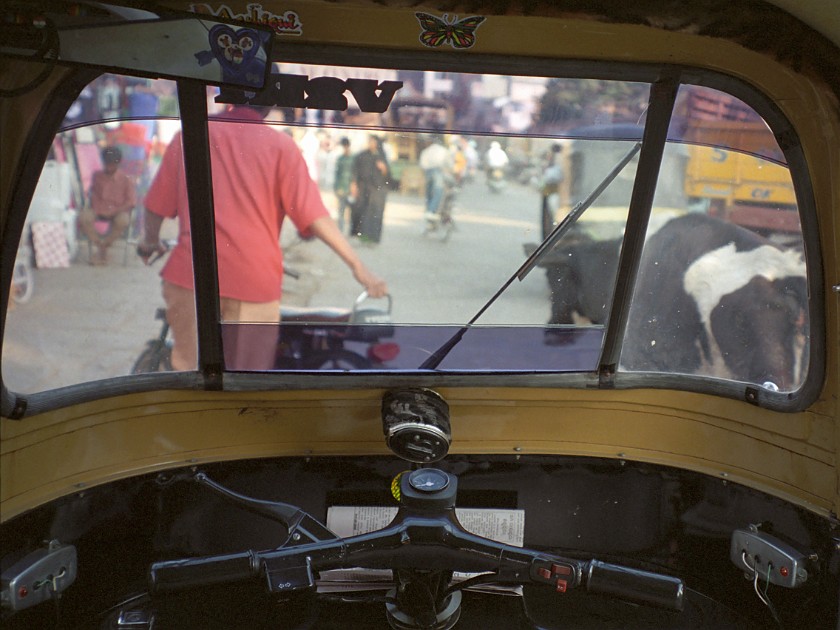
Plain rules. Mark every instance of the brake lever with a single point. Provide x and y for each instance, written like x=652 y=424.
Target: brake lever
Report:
x=301 y=527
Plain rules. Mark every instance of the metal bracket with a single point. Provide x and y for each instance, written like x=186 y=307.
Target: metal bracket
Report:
x=754 y=551
x=38 y=577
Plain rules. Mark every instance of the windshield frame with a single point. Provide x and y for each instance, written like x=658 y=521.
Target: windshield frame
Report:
x=211 y=374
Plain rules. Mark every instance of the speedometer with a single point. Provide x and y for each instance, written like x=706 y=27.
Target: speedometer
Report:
x=428 y=480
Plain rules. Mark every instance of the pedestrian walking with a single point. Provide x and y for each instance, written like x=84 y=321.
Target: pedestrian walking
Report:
x=371 y=178
x=342 y=182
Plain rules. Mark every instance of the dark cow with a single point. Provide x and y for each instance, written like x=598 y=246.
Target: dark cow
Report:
x=711 y=298
x=581 y=275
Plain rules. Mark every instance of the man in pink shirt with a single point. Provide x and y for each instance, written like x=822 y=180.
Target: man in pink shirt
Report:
x=259 y=179
x=112 y=197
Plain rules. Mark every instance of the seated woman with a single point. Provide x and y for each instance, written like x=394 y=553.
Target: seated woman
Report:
x=112 y=197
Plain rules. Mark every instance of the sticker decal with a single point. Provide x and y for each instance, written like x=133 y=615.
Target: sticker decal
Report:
x=238 y=53
x=297 y=90
x=441 y=30
x=287 y=23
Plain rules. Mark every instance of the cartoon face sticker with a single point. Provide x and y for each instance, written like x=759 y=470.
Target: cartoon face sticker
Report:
x=237 y=51
x=233 y=48
x=441 y=30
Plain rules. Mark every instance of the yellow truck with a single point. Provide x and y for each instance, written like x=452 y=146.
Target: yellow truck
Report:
x=747 y=186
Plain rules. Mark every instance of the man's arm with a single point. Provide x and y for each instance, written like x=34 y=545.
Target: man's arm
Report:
x=161 y=196
x=327 y=230
x=151 y=236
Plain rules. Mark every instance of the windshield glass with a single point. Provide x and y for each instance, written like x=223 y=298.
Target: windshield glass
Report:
x=365 y=216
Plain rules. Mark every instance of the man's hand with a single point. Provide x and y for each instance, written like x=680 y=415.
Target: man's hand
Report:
x=373 y=284
x=150 y=252
x=150 y=247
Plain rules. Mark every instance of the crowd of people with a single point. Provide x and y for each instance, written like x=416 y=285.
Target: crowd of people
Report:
x=361 y=179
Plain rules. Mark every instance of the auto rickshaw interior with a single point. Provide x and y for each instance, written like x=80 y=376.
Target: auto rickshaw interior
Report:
x=550 y=312
x=652 y=228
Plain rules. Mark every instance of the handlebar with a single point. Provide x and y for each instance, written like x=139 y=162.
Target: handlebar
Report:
x=641 y=587
x=364 y=296
x=293 y=569
x=179 y=575
x=425 y=535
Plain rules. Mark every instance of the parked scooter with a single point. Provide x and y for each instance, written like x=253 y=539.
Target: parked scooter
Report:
x=310 y=338
x=323 y=338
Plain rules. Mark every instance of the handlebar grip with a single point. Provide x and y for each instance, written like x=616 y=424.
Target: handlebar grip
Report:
x=175 y=575
x=634 y=585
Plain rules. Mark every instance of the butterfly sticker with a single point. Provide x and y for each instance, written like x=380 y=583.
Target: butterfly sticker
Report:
x=440 y=30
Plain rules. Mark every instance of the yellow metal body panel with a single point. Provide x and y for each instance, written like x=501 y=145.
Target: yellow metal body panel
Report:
x=793 y=456
x=60 y=453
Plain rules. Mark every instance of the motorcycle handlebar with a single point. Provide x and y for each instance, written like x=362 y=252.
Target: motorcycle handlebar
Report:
x=285 y=566
x=424 y=535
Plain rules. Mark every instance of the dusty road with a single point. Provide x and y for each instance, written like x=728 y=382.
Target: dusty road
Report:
x=85 y=323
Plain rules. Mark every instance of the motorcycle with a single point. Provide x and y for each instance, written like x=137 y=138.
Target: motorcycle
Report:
x=442 y=224
x=310 y=338
x=496 y=179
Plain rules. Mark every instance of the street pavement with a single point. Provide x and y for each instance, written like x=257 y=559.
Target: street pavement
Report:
x=84 y=322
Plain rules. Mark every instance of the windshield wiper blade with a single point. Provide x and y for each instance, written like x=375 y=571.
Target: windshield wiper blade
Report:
x=533 y=260
x=561 y=228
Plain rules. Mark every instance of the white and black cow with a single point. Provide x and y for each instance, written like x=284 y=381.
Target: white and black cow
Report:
x=716 y=298
x=711 y=298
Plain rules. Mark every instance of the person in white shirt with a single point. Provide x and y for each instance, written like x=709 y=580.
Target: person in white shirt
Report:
x=496 y=156
x=436 y=161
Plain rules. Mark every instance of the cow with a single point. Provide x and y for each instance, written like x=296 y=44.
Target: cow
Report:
x=580 y=275
x=711 y=298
